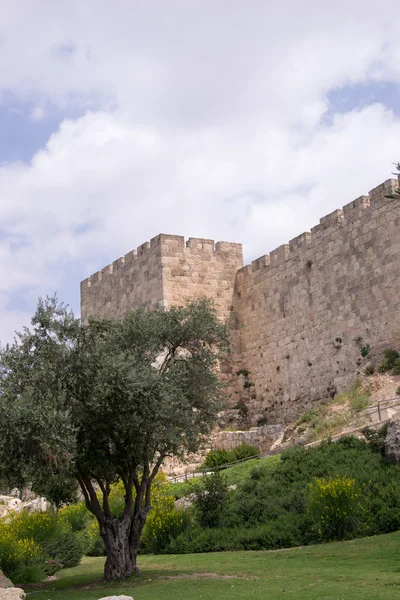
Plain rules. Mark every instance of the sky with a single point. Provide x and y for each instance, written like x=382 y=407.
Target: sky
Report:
x=235 y=120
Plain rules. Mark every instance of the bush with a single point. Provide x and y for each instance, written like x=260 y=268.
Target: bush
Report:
x=359 y=402
x=391 y=362
x=335 y=507
x=66 y=548
x=219 y=458
x=243 y=451
x=20 y=559
x=211 y=501
x=28 y=541
x=76 y=516
x=376 y=438
x=164 y=521
x=95 y=544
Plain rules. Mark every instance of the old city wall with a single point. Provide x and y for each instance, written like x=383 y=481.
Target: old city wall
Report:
x=164 y=271
x=131 y=281
x=303 y=312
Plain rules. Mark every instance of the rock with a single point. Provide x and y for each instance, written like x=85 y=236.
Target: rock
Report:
x=10 y=504
x=117 y=598
x=4 y=581
x=186 y=501
x=12 y=593
x=392 y=441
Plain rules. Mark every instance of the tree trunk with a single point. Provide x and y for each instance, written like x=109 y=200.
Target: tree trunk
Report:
x=120 y=561
x=136 y=529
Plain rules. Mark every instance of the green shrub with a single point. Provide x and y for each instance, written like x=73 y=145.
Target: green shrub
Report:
x=95 y=544
x=398 y=391
x=164 y=521
x=66 y=548
x=376 y=438
x=22 y=560
x=163 y=526
x=391 y=362
x=210 y=502
x=76 y=516
x=359 y=402
x=28 y=541
x=244 y=450
x=334 y=505
x=219 y=458
x=309 y=416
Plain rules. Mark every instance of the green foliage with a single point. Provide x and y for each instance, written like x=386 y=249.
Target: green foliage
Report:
x=270 y=507
x=244 y=450
x=365 y=350
x=76 y=516
x=96 y=403
x=21 y=560
x=233 y=475
x=376 y=438
x=309 y=416
x=28 y=541
x=390 y=363
x=335 y=507
x=66 y=548
x=398 y=391
x=359 y=402
x=219 y=458
x=95 y=545
x=242 y=408
x=210 y=502
x=244 y=372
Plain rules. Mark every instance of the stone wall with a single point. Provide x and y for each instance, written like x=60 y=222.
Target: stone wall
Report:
x=304 y=311
x=298 y=316
x=164 y=271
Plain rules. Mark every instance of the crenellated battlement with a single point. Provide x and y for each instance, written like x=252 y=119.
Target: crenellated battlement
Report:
x=166 y=245
x=362 y=207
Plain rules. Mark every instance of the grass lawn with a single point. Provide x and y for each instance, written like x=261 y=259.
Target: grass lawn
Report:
x=362 y=569
x=233 y=475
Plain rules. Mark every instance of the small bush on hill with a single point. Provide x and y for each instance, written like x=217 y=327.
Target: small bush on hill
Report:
x=390 y=363
x=219 y=458
x=335 y=507
x=211 y=501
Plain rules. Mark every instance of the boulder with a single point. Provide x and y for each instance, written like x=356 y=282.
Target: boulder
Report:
x=4 y=581
x=12 y=593
x=117 y=598
x=392 y=441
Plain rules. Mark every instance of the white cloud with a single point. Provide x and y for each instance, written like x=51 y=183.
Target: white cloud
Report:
x=205 y=121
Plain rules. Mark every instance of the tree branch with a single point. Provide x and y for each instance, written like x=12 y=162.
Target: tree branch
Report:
x=106 y=504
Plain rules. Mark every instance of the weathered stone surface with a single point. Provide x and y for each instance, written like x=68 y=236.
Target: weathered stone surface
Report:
x=12 y=593
x=4 y=581
x=11 y=504
x=298 y=317
x=392 y=442
x=117 y=598
x=261 y=437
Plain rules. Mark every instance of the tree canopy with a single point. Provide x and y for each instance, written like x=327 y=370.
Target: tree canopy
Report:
x=107 y=402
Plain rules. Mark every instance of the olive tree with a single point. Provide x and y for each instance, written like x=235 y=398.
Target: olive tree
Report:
x=108 y=402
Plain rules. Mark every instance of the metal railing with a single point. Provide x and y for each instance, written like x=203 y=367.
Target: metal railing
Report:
x=377 y=408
